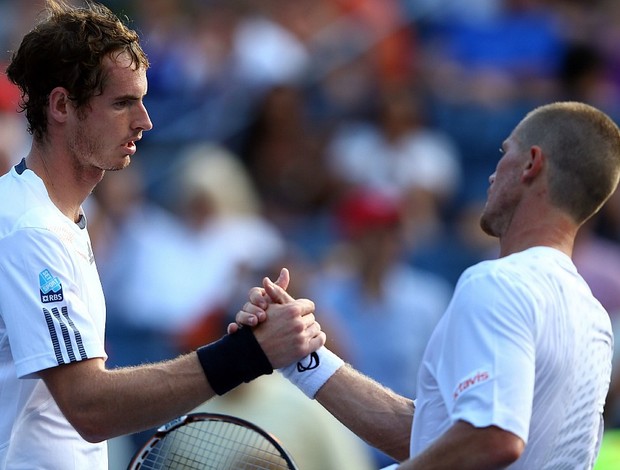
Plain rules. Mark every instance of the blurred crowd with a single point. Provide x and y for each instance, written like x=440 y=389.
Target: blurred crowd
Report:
x=348 y=140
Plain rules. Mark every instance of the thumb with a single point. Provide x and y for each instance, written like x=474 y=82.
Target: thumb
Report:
x=283 y=279
x=276 y=293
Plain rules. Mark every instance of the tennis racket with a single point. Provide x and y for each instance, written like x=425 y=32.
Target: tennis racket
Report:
x=208 y=441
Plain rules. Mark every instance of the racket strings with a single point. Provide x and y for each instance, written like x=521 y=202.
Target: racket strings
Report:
x=214 y=445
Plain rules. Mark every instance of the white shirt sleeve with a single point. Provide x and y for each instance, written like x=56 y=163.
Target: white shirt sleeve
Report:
x=52 y=303
x=488 y=366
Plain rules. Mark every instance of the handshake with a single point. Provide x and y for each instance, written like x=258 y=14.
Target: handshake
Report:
x=271 y=331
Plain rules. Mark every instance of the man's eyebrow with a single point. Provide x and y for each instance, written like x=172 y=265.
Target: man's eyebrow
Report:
x=128 y=98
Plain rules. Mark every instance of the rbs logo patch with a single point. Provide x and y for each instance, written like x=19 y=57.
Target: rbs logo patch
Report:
x=51 y=288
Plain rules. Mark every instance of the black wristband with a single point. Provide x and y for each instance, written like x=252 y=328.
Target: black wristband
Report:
x=232 y=360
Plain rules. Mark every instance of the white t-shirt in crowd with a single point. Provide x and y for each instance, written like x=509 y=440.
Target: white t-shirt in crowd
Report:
x=52 y=312
x=523 y=346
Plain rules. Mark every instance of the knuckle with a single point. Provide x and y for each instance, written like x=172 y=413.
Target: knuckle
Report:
x=295 y=310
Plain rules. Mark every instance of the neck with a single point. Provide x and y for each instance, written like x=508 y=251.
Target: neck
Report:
x=66 y=186
x=554 y=232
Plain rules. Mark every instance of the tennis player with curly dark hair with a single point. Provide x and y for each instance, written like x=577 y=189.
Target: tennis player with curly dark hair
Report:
x=82 y=74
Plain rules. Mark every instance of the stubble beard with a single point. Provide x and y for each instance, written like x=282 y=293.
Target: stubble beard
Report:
x=486 y=226
x=88 y=154
x=495 y=220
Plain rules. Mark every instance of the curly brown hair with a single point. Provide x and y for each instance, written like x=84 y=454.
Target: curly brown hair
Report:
x=67 y=49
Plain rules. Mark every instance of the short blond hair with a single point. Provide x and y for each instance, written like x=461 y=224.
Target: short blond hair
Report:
x=582 y=146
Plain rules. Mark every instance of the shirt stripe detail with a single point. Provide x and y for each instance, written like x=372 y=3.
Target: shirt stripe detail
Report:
x=68 y=330
x=76 y=333
x=65 y=335
x=53 y=336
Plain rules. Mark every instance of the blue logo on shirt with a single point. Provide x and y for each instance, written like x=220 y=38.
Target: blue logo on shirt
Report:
x=51 y=288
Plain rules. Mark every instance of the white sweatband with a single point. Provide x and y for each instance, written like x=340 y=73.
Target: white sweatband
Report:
x=311 y=373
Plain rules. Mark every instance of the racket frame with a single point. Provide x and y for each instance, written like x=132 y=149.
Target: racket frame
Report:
x=142 y=454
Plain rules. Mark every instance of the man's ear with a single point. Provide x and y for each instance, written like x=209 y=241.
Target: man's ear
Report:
x=534 y=165
x=59 y=104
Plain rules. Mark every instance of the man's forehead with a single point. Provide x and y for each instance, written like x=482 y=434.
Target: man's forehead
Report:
x=121 y=70
x=120 y=59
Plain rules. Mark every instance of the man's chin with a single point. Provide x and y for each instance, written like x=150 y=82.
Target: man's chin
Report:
x=486 y=227
x=121 y=166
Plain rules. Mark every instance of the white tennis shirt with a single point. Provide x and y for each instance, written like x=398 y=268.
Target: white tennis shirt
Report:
x=523 y=346
x=52 y=312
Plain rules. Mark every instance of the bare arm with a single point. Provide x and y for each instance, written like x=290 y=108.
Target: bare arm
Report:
x=102 y=403
x=376 y=414
x=466 y=447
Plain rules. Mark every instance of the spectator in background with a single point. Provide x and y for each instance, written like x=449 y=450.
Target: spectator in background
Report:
x=214 y=61
x=267 y=52
x=219 y=203
x=400 y=152
x=282 y=151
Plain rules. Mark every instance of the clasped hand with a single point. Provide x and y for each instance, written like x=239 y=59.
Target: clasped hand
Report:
x=285 y=327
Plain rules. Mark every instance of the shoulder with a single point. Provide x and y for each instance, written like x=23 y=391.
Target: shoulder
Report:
x=520 y=270
x=42 y=237
x=497 y=291
x=520 y=284
x=493 y=276
x=26 y=203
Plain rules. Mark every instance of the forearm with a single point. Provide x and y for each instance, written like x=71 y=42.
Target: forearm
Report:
x=376 y=414
x=121 y=401
x=465 y=447
x=155 y=394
